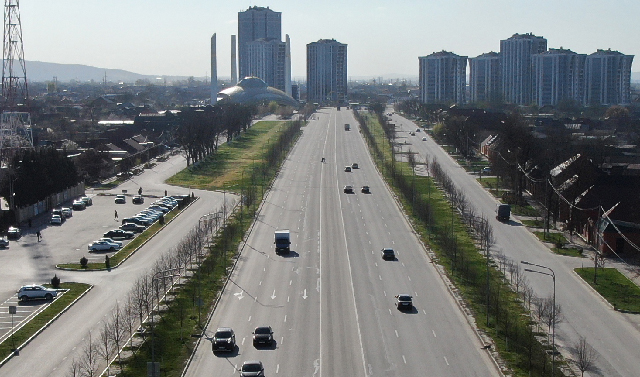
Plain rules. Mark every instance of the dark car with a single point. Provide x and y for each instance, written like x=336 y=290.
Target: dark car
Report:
x=138 y=199
x=388 y=254
x=119 y=233
x=224 y=340
x=133 y=227
x=404 y=302
x=365 y=190
x=348 y=189
x=252 y=368
x=120 y=199
x=135 y=220
x=263 y=335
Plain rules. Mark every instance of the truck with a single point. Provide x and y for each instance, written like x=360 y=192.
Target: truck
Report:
x=503 y=212
x=347 y=127
x=282 y=241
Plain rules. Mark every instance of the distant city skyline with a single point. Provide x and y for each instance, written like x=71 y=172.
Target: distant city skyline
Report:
x=384 y=38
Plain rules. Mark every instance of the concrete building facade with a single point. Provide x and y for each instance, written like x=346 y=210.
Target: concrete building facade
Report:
x=516 y=69
x=442 y=78
x=326 y=71
x=484 y=78
x=266 y=60
x=558 y=74
x=254 y=24
x=607 y=78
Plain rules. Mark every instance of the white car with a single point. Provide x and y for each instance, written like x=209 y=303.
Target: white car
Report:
x=119 y=243
x=103 y=246
x=4 y=242
x=56 y=219
x=67 y=212
x=29 y=292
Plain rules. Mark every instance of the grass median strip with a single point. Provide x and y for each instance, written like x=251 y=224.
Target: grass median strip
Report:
x=616 y=288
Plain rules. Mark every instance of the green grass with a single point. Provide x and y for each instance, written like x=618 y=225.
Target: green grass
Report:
x=224 y=169
x=526 y=210
x=568 y=251
x=551 y=237
x=126 y=251
x=75 y=290
x=616 y=288
x=535 y=223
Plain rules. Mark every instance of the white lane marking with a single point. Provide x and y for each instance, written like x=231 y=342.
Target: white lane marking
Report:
x=249 y=319
x=424 y=311
x=243 y=338
x=273 y=295
x=287 y=298
x=397 y=336
x=409 y=278
x=290 y=282
x=304 y=295
x=260 y=283
x=434 y=333
x=285 y=318
x=385 y=293
x=390 y=312
x=239 y=295
x=380 y=277
x=445 y=360
x=404 y=359
x=277 y=368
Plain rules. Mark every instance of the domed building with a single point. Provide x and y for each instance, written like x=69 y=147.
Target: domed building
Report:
x=253 y=90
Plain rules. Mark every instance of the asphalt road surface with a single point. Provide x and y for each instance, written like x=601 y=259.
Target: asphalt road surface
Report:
x=52 y=352
x=331 y=300
x=615 y=336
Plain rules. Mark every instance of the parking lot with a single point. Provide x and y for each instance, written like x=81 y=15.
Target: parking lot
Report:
x=24 y=312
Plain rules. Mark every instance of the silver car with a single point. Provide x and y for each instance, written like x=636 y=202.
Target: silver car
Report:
x=30 y=292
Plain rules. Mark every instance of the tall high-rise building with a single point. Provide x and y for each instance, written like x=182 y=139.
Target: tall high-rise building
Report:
x=558 y=74
x=259 y=38
x=443 y=78
x=607 y=78
x=515 y=54
x=326 y=71
x=484 y=78
x=266 y=60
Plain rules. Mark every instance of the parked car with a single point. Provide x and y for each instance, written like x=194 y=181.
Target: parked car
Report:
x=404 y=302
x=252 y=368
x=348 y=189
x=119 y=233
x=224 y=340
x=388 y=254
x=103 y=246
x=134 y=220
x=56 y=219
x=110 y=240
x=120 y=199
x=133 y=227
x=159 y=208
x=14 y=233
x=30 y=292
x=67 y=212
x=263 y=335
x=78 y=205
x=56 y=211
x=138 y=199
x=86 y=200
x=4 y=242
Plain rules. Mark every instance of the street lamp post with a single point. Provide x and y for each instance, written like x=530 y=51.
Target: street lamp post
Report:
x=553 y=312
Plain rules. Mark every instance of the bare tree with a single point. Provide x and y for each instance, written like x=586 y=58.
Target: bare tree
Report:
x=118 y=329
x=586 y=356
x=75 y=368
x=90 y=358
x=105 y=346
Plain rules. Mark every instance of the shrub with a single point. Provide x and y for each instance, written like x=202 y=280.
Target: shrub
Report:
x=83 y=262
x=107 y=262
x=55 y=281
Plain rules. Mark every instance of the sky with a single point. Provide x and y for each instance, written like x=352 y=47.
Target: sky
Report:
x=384 y=38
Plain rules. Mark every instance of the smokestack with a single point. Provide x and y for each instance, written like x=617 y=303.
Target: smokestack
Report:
x=214 y=71
x=234 y=69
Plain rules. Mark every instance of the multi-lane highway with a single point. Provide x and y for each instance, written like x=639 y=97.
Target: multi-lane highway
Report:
x=614 y=336
x=331 y=301
x=26 y=261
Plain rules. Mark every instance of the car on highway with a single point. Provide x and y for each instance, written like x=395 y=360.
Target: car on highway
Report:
x=418 y=130
x=67 y=212
x=78 y=205
x=32 y=292
x=111 y=240
x=263 y=335
x=365 y=190
x=348 y=189
x=119 y=233
x=354 y=165
x=252 y=368
x=388 y=254
x=138 y=199
x=120 y=199
x=404 y=302
x=14 y=233
x=86 y=200
x=224 y=340
x=347 y=169
x=412 y=133
x=4 y=242
x=103 y=246
x=424 y=138
x=133 y=227
x=56 y=220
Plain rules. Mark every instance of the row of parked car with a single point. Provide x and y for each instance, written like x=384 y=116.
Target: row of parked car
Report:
x=60 y=215
x=135 y=224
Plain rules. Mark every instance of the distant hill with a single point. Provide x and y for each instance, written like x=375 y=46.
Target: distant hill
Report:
x=43 y=71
